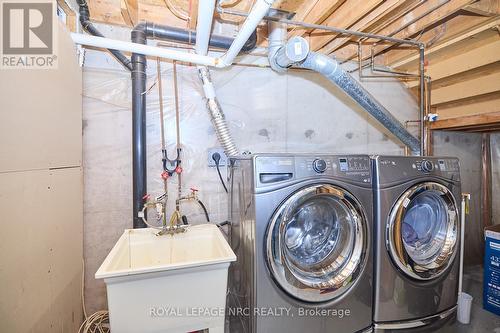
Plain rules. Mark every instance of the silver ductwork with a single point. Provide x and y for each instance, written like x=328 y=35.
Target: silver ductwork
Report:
x=216 y=115
x=296 y=52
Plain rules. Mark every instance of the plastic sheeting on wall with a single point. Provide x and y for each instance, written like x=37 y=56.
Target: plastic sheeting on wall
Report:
x=495 y=176
x=266 y=111
x=467 y=147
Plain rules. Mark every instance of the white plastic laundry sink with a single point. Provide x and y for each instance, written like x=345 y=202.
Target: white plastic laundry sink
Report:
x=168 y=283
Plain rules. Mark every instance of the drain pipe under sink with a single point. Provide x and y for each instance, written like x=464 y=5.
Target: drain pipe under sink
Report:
x=296 y=53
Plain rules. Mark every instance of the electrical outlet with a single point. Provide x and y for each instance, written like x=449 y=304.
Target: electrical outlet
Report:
x=223 y=157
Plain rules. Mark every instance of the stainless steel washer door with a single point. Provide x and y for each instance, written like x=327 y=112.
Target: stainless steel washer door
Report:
x=317 y=243
x=422 y=231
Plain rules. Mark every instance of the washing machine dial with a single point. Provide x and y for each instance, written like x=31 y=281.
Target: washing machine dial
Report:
x=319 y=165
x=427 y=166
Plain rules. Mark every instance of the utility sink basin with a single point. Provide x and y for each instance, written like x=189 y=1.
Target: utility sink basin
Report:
x=168 y=283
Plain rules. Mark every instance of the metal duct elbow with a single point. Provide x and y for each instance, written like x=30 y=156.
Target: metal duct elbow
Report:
x=287 y=55
x=216 y=115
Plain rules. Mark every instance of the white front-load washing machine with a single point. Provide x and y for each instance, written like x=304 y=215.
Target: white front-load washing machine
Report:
x=417 y=231
x=300 y=225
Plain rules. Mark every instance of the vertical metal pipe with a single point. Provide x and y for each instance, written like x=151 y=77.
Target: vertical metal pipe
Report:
x=485 y=181
x=422 y=101
x=139 y=155
x=428 y=132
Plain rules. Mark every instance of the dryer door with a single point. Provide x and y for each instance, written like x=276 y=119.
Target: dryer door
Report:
x=422 y=231
x=317 y=243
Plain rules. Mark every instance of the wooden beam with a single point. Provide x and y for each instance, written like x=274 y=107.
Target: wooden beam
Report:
x=456 y=37
x=483 y=121
x=479 y=105
x=366 y=21
x=71 y=21
x=108 y=12
x=129 y=10
x=485 y=8
x=344 y=17
x=423 y=17
x=193 y=14
x=314 y=12
x=462 y=62
x=466 y=89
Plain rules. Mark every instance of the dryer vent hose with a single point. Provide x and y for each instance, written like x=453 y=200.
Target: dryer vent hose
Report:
x=216 y=115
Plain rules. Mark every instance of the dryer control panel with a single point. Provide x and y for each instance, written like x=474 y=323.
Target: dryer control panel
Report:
x=394 y=168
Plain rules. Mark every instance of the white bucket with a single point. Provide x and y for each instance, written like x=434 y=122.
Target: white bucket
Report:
x=464 y=308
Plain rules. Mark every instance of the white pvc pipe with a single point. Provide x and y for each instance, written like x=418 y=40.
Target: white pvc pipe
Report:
x=259 y=10
x=275 y=39
x=152 y=51
x=206 y=10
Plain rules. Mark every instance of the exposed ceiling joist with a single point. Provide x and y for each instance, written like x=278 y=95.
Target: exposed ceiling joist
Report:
x=485 y=7
x=482 y=85
x=482 y=122
x=344 y=17
x=71 y=20
x=193 y=14
x=130 y=12
x=464 y=63
x=486 y=104
x=458 y=31
x=423 y=17
x=365 y=22
x=315 y=12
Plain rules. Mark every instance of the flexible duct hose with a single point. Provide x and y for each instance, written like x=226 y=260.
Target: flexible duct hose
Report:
x=216 y=115
x=296 y=53
x=330 y=68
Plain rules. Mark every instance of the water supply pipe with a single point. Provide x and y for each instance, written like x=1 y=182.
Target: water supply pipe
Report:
x=296 y=52
x=244 y=41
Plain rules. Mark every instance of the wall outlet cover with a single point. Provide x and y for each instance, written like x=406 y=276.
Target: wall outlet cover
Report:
x=223 y=157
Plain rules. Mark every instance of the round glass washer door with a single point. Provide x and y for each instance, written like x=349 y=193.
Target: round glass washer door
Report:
x=422 y=231
x=317 y=243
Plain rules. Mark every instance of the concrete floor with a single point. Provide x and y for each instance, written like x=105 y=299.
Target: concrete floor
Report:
x=481 y=320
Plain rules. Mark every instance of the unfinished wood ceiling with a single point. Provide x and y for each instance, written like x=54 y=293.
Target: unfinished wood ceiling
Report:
x=462 y=39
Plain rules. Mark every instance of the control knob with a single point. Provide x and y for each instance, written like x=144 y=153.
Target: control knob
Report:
x=427 y=166
x=319 y=165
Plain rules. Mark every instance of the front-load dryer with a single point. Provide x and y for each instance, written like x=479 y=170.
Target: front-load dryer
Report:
x=416 y=242
x=301 y=229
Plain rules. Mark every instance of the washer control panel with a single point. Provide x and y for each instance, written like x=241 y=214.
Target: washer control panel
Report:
x=319 y=165
x=283 y=167
x=356 y=167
